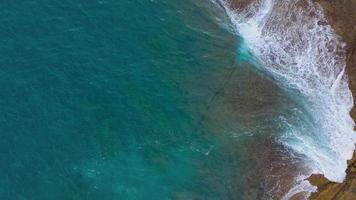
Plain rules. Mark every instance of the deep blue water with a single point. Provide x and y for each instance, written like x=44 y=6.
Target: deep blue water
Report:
x=128 y=99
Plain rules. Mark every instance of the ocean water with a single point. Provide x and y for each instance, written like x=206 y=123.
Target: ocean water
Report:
x=107 y=100
x=147 y=99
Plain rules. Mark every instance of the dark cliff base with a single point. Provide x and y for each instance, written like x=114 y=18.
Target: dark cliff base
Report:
x=341 y=14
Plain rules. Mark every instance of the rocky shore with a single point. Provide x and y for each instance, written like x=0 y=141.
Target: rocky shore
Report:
x=341 y=14
x=333 y=191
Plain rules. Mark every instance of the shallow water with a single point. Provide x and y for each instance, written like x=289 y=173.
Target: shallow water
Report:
x=136 y=99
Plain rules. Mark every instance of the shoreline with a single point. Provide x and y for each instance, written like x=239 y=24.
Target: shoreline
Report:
x=341 y=16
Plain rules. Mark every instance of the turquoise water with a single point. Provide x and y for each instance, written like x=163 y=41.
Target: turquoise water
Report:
x=129 y=99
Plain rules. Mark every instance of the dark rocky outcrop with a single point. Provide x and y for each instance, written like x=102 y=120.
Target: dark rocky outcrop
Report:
x=333 y=191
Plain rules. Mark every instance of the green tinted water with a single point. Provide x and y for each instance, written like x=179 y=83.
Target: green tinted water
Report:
x=122 y=100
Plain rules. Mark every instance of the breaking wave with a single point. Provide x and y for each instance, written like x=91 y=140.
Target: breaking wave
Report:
x=294 y=44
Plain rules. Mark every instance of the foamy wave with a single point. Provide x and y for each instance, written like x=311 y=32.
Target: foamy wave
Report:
x=295 y=45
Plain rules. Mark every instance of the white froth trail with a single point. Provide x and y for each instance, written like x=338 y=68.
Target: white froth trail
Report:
x=293 y=43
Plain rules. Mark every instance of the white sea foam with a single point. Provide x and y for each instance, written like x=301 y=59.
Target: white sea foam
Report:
x=293 y=43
